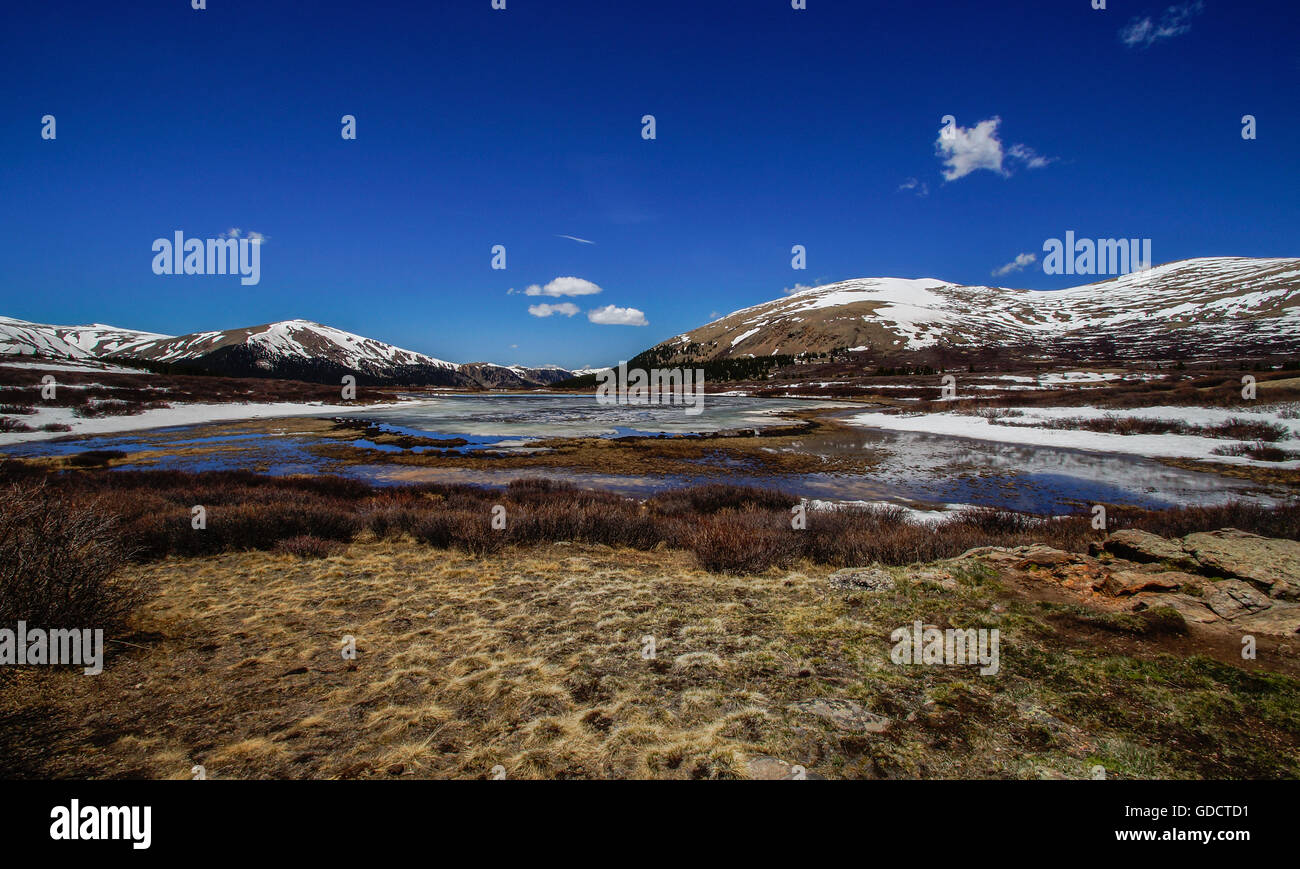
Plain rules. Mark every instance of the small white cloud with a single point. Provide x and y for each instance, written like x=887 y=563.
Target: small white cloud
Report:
x=564 y=287
x=1146 y=31
x=797 y=288
x=967 y=149
x=1031 y=158
x=919 y=187
x=612 y=316
x=1019 y=264
x=568 y=309
x=575 y=238
x=964 y=150
x=251 y=235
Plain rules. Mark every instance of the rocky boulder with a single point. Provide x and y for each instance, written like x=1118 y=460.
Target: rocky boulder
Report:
x=843 y=715
x=1268 y=563
x=862 y=579
x=1144 y=547
x=1231 y=598
x=1122 y=582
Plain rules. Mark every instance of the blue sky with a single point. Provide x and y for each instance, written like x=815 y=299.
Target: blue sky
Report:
x=478 y=127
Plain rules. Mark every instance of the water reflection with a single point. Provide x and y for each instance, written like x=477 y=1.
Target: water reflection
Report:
x=911 y=468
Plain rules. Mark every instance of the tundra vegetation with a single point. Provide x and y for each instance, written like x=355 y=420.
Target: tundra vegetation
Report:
x=524 y=646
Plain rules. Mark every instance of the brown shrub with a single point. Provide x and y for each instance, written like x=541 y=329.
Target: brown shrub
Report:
x=745 y=542
x=307 y=546
x=58 y=561
x=91 y=458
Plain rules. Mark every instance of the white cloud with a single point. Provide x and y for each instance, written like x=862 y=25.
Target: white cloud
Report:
x=921 y=188
x=612 y=316
x=797 y=288
x=967 y=149
x=236 y=232
x=568 y=309
x=964 y=150
x=564 y=287
x=1142 y=32
x=575 y=238
x=1019 y=264
x=1027 y=155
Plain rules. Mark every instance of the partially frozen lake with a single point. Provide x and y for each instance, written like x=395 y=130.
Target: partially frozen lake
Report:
x=914 y=468
x=532 y=416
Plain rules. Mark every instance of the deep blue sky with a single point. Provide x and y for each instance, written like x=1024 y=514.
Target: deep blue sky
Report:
x=479 y=127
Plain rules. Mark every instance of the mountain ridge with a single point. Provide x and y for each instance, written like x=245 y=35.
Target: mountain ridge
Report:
x=1203 y=306
x=295 y=349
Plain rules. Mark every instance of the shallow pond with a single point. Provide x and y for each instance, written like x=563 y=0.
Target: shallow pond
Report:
x=911 y=468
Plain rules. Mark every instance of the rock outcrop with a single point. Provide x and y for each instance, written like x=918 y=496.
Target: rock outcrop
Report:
x=1226 y=577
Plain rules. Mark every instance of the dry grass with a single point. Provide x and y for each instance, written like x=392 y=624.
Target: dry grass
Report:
x=531 y=659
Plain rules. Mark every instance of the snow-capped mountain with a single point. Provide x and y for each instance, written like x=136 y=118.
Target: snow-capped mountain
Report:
x=19 y=337
x=294 y=349
x=1220 y=306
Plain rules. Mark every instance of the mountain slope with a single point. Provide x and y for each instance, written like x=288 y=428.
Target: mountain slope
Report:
x=1209 y=306
x=21 y=338
x=293 y=349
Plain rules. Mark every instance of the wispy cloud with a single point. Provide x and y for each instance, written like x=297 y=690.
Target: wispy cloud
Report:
x=568 y=309
x=1146 y=31
x=964 y=150
x=1019 y=264
x=613 y=316
x=236 y=232
x=575 y=238
x=920 y=188
x=564 y=287
x=1027 y=155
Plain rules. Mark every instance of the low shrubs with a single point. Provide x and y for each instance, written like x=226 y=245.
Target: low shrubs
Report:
x=93 y=458
x=728 y=528
x=115 y=407
x=1259 y=451
x=1235 y=428
x=59 y=561
x=308 y=546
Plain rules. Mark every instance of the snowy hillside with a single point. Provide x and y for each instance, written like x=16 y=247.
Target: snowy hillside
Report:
x=1203 y=306
x=295 y=349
